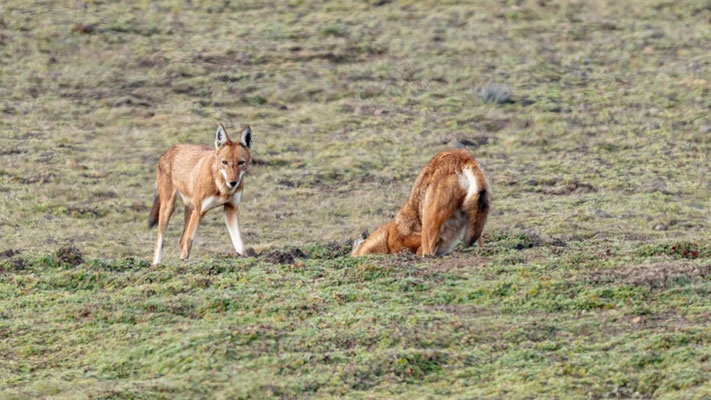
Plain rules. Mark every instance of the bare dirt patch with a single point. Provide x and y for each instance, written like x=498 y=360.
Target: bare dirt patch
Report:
x=8 y=254
x=10 y=152
x=12 y=260
x=453 y=262
x=84 y=212
x=657 y=275
x=285 y=256
x=402 y=259
x=69 y=254
x=573 y=188
x=333 y=249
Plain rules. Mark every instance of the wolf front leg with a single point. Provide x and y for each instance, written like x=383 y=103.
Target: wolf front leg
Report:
x=190 y=232
x=439 y=205
x=232 y=222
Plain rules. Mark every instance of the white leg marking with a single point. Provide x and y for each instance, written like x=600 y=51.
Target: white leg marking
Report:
x=158 y=251
x=233 y=228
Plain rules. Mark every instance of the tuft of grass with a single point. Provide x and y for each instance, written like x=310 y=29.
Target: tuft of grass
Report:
x=493 y=93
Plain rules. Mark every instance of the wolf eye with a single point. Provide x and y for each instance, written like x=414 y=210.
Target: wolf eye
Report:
x=241 y=162
x=224 y=162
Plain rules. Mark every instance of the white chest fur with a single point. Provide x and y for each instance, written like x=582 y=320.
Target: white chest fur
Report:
x=215 y=201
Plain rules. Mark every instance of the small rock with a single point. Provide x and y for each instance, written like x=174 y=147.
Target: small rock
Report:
x=457 y=144
x=660 y=227
x=473 y=140
x=493 y=93
x=706 y=128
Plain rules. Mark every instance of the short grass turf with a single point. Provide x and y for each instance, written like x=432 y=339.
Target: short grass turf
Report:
x=591 y=120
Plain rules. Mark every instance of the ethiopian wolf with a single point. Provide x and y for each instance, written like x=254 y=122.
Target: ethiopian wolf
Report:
x=449 y=201
x=205 y=179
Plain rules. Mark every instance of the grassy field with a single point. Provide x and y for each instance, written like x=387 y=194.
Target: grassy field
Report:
x=591 y=119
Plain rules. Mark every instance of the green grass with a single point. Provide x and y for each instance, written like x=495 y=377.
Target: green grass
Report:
x=593 y=282
x=544 y=321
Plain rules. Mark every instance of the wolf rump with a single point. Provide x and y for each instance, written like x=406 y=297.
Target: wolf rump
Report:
x=449 y=201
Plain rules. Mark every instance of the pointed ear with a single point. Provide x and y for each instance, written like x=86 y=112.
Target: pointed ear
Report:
x=364 y=234
x=221 y=138
x=246 y=140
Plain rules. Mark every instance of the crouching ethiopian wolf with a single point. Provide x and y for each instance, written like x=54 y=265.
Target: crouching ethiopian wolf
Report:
x=449 y=201
x=205 y=179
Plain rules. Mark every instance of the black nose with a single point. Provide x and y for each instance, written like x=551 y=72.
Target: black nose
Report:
x=232 y=184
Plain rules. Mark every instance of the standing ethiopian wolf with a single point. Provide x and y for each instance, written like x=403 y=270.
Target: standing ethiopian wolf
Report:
x=449 y=201
x=205 y=179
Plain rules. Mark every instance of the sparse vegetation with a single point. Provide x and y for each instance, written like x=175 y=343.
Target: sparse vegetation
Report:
x=591 y=120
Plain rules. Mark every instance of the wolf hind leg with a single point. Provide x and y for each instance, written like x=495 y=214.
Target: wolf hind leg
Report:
x=439 y=205
x=477 y=210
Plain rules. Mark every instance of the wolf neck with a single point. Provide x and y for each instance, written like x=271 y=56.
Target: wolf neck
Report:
x=377 y=242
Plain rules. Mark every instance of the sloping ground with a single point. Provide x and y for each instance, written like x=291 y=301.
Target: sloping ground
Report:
x=523 y=320
x=590 y=118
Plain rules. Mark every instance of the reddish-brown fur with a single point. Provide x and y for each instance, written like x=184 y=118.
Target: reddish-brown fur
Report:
x=205 y=179
x=439 y=210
